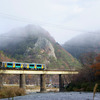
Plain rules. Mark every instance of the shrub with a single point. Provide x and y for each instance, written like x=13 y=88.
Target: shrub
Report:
x=11 y=92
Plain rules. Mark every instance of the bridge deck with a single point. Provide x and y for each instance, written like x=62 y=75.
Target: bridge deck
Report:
x=38 y=72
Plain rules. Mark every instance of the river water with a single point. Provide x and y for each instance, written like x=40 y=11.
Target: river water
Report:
x=58 y=96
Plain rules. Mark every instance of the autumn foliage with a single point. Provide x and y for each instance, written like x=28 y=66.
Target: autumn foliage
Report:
x=96 y=65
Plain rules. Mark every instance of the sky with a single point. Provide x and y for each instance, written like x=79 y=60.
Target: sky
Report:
x=63 y=19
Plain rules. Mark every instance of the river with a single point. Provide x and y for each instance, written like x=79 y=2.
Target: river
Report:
x=58 y=96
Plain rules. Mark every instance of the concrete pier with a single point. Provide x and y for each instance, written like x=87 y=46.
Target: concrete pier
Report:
x=1 y=81
x=61 y=83
x=42 y=74
x=42 y=83
x=22 y=81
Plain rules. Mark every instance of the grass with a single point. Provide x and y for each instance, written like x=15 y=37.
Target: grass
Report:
x=94 y=90
x=86 y=87
x=11 y=92
x=32 y=87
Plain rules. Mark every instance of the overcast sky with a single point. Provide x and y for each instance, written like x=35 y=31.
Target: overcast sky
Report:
x=63 y=19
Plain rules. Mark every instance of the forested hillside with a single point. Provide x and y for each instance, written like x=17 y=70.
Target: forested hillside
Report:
x=3 y=57
x=84 y=46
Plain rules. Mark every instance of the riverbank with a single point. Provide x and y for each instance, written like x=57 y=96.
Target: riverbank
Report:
x=58 y=96
x=28 y=91
x=13 y=91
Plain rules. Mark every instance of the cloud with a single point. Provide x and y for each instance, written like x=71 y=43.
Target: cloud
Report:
x=56 y=16
x=89 y=19
x=78 y=9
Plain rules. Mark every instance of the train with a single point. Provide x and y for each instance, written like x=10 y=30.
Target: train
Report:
x=24 y=66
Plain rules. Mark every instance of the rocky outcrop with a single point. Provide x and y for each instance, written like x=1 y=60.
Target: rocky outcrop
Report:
x=45 y=46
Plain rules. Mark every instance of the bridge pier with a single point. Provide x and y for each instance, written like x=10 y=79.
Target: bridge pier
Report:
x=22 y=81
x=1 y=81
x=42 y=83
x=61 y=83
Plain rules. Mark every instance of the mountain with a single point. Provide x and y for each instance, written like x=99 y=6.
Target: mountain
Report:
x=87 y=44
x=34 y=44
x=3 y=57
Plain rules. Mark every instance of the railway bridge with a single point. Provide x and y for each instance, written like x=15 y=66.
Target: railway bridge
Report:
x=42 y=74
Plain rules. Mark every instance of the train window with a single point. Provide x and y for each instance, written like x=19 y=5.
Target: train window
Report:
x=0 y=63
x=31 y=65
x=38 y=65
x=9 y=64
x=17 y=64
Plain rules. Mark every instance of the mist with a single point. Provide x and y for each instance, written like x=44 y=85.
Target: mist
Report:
x=63 y=19
x=17 y=35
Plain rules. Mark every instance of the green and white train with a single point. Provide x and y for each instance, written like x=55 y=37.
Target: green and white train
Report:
x=17 y=65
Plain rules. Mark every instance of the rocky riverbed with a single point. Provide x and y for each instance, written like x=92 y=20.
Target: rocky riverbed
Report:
x=58 y=96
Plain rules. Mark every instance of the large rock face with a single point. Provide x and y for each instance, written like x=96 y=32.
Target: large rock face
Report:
x=34 y=44
x=45 y=46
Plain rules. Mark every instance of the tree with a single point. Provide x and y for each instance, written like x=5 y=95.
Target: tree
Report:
x=96 y=66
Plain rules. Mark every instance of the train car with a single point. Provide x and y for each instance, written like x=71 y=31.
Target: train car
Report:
x=17 y=65
x=34 y=66
x=40 y=66
x=11 y=65
x=6 y=65
x=31 y=66
x=0 y=65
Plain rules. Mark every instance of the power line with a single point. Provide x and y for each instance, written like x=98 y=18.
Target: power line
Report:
x=12 y=17
x=80 y=47
x=14 y=37
x=68 y=46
